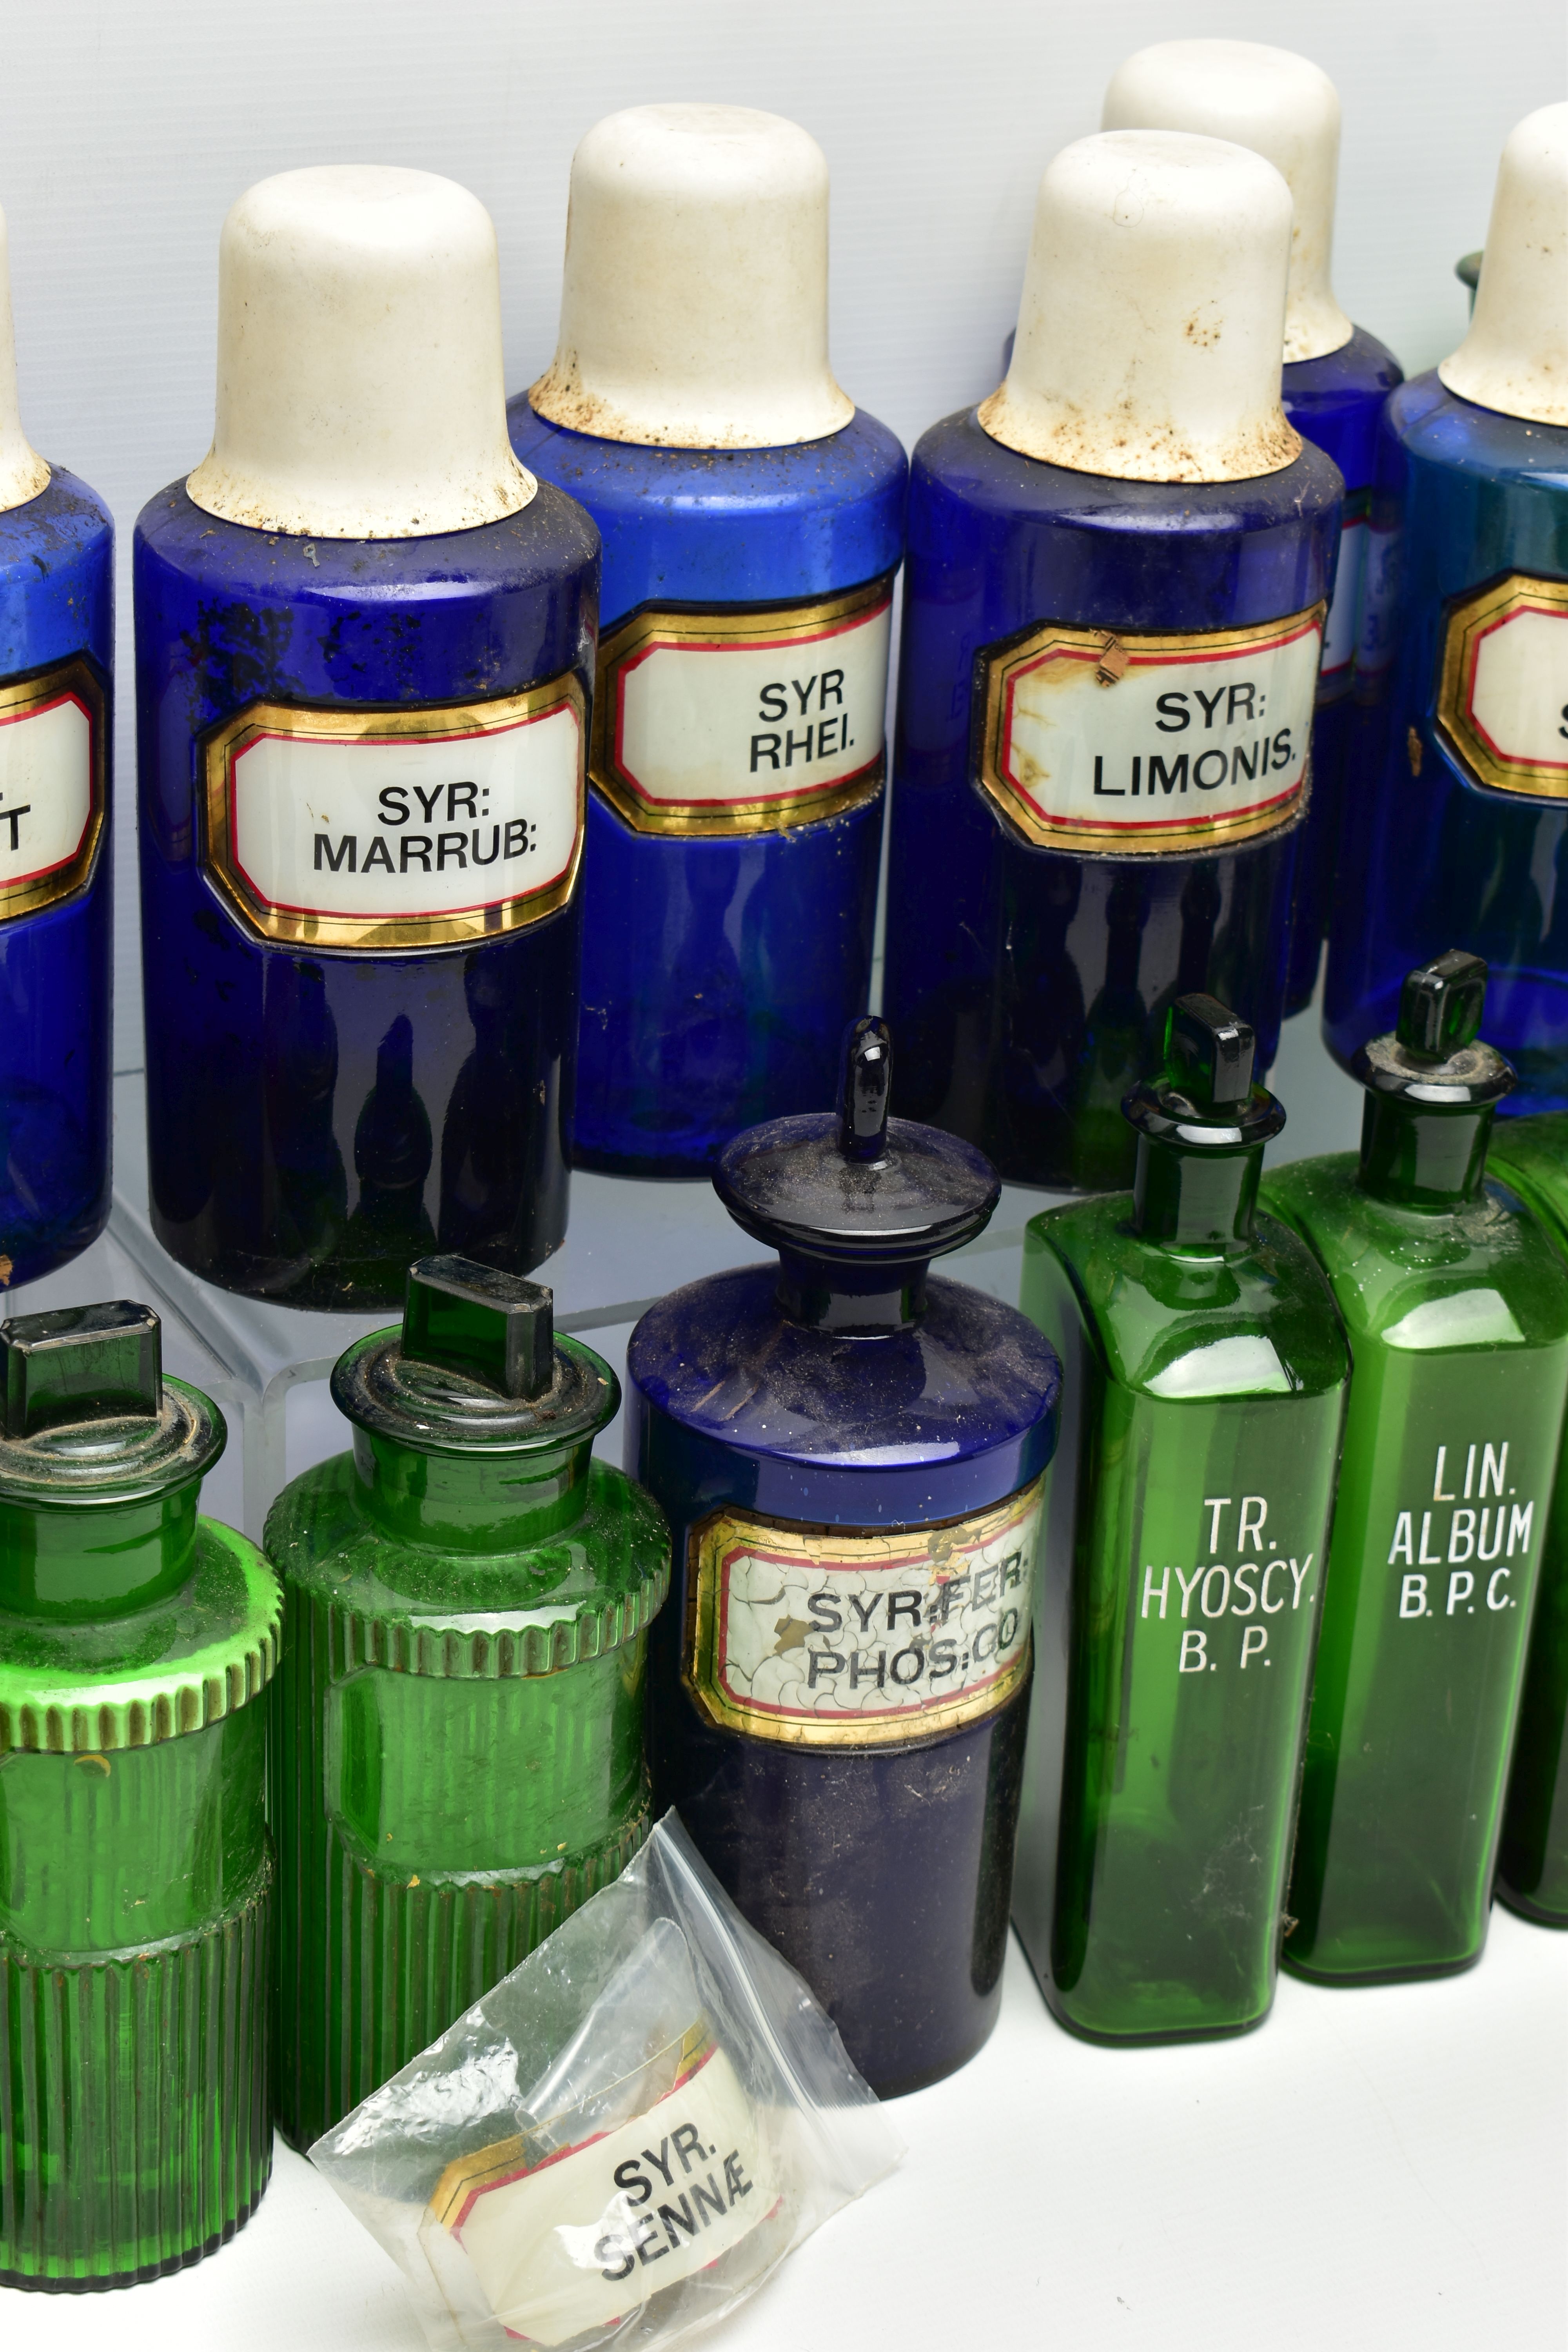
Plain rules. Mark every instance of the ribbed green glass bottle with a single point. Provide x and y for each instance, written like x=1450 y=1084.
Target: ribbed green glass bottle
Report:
x=1531 y=1156
x=457 y=1720
x=135 y=1874
x=1457 y=1311
x=1205 y=1370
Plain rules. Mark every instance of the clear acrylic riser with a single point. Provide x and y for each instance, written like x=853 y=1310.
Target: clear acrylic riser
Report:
x=629 y=1241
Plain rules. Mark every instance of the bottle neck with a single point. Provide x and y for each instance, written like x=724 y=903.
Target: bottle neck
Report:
x=1421 y=1157
x=79 y=1563
x=857 y=1302
x=1195 y=1200
x=471 y=1502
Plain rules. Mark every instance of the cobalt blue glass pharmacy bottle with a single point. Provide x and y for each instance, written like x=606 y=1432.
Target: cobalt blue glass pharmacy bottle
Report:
x=752 y=521
x=57 y=652
x=364 y=654
x=1463 y=831
x=1113 y=609
x=850 y=1457
x=1336 y=378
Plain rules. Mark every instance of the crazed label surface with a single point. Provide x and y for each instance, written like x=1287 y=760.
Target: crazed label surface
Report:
x=51 y=785
x=1503 y=701
x=1133 y=742
x=742 y=721
x=398 y=829
x=828 y=1639
x=591 y=2233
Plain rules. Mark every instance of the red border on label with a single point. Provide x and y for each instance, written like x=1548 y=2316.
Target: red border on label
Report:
x=670 y=643
x=400 y=743
x=837 y=1715
x=531 y=2172
x=1506 y=758
x=20 y=718
x=1111 y=826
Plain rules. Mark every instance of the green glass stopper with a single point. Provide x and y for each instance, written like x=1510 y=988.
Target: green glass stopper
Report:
x=1209 y=1054
x=80 y=1363
x=493 y=1328
x=1440 y=1007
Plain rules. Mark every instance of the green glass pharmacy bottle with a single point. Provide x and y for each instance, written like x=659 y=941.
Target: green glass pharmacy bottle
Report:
x=458 y=1718
x=1204 y=1372
x=135 y=1873
x=1531 y=1157
x=1457 y=1313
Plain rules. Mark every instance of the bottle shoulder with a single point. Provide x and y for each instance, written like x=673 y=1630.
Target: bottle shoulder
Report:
x=1531 y=1156
x=195 y=1656
x=1436 y=428
x=864 y=459
x=1180 y=1327
x=958 y=461
x=322 y=1541
x=1336 y=400
x=1483 y=1274
x=550 y=537
x=719 y=1358
x=66 y=521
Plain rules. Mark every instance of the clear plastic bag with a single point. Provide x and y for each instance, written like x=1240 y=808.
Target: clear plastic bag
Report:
x=623 y=2138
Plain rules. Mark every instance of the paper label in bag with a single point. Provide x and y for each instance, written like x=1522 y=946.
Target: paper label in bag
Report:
x=1127 y=742
x=591 y=2232
x=825 y=1637
x=1502 y=701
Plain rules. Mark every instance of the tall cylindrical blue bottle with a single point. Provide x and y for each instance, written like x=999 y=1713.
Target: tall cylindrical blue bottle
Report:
x=1336 y=378
x=1119 y=571
x=1464 y=834
x=850 y=1457
x=365 y=659
x=57 y=654
x=753 y=523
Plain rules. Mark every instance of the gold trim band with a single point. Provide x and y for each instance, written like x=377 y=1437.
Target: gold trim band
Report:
x=382 y=723
x=937 y=1552
x=725 y=628
x=1115 y=653
x=1468 y=624
x=21 y=698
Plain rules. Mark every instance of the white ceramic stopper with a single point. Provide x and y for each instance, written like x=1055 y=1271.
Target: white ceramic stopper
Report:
x=1283 y=106
x=1153 y=309
x=694 y=304
x=361 y=392
x=1515 y=357
x=23 y=473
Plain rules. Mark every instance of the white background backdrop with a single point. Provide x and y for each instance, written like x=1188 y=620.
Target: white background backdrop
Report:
x=1376 y=2169
x=128 y=126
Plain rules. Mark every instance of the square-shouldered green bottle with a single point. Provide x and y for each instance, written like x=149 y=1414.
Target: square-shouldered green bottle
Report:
x=457 y=1720
x=1205 y=1369
x=136 y=1878
x=1457 y=1306
x=1531 y=1157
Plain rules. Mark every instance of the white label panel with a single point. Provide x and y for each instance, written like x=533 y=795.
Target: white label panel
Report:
x=398 y=829
x=1344 y=611
x=743 y=721
x=1502 y=702
x=825 y=1638
x=51 y=786
x=592 y=2233
x=1135 y=742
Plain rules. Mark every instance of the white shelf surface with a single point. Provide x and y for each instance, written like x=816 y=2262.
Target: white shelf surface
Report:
x=1378 y=2168
x=1371 y=2171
